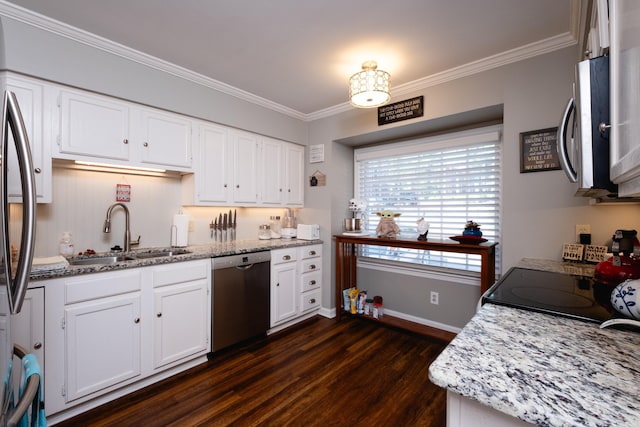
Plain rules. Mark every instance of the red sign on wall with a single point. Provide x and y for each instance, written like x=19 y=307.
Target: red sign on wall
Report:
x=123 y=193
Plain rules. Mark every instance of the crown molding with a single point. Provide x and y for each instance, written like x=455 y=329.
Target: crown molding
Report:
x=528 y=51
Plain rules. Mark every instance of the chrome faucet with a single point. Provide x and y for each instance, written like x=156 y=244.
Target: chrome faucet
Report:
x=127 y=231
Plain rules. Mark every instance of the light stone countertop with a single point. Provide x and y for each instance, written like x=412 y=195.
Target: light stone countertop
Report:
x=195 y=252
x=543 y=369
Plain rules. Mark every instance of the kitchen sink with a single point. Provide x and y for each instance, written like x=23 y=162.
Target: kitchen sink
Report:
x=101 y=260
x=157 y=254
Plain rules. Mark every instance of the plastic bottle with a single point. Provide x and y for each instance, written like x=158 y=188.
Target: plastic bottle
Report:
x=66 y=244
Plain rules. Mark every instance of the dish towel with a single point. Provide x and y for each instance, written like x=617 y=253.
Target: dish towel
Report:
x=49 y=264
x=30 y=367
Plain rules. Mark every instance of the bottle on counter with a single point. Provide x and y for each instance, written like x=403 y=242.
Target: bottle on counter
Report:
x=66 y=247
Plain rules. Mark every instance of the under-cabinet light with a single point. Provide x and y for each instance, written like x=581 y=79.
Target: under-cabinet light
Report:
x=103 y=166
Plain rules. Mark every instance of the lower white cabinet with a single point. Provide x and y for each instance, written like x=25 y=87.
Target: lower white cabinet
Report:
x=103 y=343
x=111 y=333
x=296 y=281
x=284 y=292
x=181 y=312
x=27 y=328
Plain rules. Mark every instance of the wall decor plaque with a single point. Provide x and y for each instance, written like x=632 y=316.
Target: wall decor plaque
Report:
x=403 y=110
x=538 y=150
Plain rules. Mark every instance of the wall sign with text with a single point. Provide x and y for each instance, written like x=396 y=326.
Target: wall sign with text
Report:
x=538 y=150
x=403 y=110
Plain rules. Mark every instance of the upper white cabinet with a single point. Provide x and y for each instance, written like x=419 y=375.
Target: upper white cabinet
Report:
x=238 y=168
x=95 y=126
x=103 y=129
x=37 y=119
x=165 y=139
x=625 y=92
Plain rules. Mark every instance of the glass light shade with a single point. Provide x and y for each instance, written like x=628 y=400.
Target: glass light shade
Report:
x=370 y=87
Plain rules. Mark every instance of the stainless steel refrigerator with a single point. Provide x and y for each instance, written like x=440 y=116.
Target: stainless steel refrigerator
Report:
x=19 y=392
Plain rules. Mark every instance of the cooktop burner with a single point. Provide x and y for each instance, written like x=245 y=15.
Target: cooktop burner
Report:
x=559 y=294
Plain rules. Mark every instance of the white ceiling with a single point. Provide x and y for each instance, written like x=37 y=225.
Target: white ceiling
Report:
x=298 y=55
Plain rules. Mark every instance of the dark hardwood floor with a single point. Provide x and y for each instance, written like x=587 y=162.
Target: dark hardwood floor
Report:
x=321 y=373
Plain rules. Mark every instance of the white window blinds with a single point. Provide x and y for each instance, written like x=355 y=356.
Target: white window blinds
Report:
x=446 y=180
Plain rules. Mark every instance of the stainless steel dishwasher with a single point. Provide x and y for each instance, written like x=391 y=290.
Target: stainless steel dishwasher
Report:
x=240 y=299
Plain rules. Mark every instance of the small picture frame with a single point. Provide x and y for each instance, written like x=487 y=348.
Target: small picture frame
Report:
x=539 y=150
x=572 y=252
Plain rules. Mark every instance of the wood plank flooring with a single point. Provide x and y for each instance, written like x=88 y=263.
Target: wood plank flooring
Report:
x=321 y=373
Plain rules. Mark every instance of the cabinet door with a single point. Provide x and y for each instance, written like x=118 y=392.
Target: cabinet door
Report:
x=102 y=343
x=284 y=292
x=30 y=97
x=166 y=139
x=271 y=172
x=213 y=174
x=27 y=328
x=180 y=323
x=245 y=169
x=94 y=126
x=625 y=91
x=294 y=167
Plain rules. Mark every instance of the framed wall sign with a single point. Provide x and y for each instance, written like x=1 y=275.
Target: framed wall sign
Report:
x=538 y=150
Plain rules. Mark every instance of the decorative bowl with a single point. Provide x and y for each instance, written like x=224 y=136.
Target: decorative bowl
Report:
x=624 y=298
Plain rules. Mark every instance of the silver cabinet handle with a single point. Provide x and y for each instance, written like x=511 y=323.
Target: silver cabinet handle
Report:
x=37 y=170
x=37 y=345
x=312 y=253
x=125 y=141
x=145 y=144
x=286 y=257
x=136 y=320
x=159 y=315
x=312 y=267
x=311 y=283
x=312 y=301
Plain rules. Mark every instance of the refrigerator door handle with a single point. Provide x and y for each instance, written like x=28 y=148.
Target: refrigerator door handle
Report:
x=565 y=162
x=17 y=286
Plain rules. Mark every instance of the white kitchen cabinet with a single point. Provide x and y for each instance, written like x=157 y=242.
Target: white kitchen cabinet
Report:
x=624 y=18
x=245 y=167
x=181 y=311
x=294 y=175
x=103 y=344
x=27 y=327
x=102 y=129
x=271 y=172
x=210 y=182
x=284 y=289
x=102 y=331
x=465 y=412
x=165 y=139
x=37 y=119
x=94 y=126
x=296 y=281
x=310 y=277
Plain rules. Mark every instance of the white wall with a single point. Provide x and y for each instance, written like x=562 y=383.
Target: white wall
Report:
x=539 y=209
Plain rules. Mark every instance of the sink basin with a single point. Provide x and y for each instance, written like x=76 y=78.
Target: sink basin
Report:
x=101 y=260
x=157 y=254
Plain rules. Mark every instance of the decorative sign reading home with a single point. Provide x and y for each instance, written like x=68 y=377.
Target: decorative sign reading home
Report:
x=123 y=193
x=403 y=110
x=538 y=150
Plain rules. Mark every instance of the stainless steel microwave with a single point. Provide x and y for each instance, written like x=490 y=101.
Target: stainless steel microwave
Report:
x=583 y=134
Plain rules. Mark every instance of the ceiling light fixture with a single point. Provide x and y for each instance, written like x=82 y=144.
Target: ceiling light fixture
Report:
x=370 y=87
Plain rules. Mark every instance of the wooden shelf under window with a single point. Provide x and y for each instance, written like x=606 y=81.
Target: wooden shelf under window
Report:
x=346 y=265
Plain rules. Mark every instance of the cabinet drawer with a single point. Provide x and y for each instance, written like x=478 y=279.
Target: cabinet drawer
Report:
x=309 y=265
x=309 y=281
x=310 y=251
x=101 y=285
x=310 y=300
x=180 y=272
x=280 y=256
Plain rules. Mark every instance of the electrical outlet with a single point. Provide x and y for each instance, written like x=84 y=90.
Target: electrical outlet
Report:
x=582 y=229
x=435 y=298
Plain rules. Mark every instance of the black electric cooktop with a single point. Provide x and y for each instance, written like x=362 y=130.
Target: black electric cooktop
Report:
x=577 y=297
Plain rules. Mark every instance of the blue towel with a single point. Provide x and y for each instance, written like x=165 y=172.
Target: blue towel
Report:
x=30 y=367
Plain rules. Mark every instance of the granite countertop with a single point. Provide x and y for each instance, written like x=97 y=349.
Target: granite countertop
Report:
x=195 y=252
x=543 y=369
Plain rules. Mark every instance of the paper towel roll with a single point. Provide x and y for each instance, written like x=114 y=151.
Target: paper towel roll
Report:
x=180 y=230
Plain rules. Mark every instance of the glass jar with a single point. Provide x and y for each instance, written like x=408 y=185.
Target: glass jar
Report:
x=264 y=232
x=66 y=247
x=274 y=223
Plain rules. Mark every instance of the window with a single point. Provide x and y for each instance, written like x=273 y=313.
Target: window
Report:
x=446 y=180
